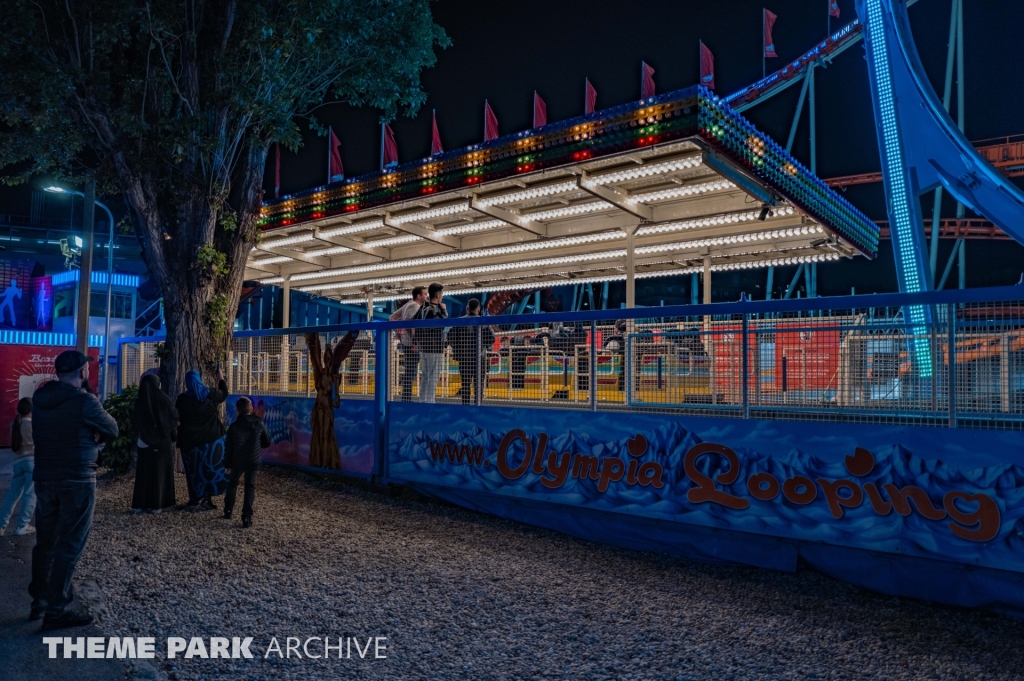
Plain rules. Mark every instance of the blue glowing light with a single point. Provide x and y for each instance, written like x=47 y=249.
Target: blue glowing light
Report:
x=909 y=265
x=72 y=276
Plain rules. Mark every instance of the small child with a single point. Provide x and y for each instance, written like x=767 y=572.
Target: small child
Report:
x=22 y=486
x=246 y=439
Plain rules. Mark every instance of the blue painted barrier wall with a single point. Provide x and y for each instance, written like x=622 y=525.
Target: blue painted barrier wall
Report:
x=930 y=512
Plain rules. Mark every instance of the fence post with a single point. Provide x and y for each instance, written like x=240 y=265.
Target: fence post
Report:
x=592 y=365
x=479 y=377
x=745 y=376
x=380 y=399
x=951 y=352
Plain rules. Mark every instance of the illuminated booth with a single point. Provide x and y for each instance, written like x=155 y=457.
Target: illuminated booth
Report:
x=832 y=433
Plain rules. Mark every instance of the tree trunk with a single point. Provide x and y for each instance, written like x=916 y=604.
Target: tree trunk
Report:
x=200 y=299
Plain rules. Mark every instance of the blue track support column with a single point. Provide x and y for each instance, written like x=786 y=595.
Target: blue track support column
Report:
x=890 y=85
x=380 y=401
x=921 y=147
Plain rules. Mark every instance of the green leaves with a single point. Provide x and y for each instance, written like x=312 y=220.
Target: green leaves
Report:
x=118 y=454
x=174 y=104
x=210 y=258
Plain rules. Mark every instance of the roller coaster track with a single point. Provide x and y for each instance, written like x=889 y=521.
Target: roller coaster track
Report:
x=920 y=146
x=1004 y=153
x=794 y=72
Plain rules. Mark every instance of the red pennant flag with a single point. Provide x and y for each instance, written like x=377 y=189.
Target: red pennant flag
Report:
x=769 y=44
x=707 y=67
x=335 y=171
x=833 y=8
x=277 y=170
x=647 y=76
x=540 y=111
x=490 y=122
x=390 y=148
x=591 y=98
x=435 y=139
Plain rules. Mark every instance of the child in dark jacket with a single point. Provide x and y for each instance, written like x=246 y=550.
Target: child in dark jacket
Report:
x=245 y=441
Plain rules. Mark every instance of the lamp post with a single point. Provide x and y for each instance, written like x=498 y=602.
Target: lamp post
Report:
x=110 y=282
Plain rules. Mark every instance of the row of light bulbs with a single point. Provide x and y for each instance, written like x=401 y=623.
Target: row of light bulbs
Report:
x=710 y=221
x=430 y=214
x=723 y=219
x=676 y=192
x=732 y=239
x=378 y=243
x=527 y=194
x=546 y=262
x=524 y=247
x=753 y=264
x=480 y=269
x=645 y=170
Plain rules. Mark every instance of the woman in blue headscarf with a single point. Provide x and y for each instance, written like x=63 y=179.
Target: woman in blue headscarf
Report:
x=201 y=439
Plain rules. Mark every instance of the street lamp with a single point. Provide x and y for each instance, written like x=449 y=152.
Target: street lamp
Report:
x=110 y=279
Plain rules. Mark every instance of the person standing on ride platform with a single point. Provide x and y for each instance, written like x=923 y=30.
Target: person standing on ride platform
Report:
x=469 y=350
x=201 y=439
x=431 y=342
x=410 y=353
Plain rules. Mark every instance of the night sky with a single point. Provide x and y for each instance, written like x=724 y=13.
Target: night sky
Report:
x=504 y=51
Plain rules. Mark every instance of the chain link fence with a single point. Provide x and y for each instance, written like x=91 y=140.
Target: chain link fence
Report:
x=938 y=364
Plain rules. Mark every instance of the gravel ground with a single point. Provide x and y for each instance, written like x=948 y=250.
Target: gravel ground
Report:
x=468 y=596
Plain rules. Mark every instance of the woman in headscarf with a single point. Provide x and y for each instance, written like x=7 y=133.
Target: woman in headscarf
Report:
x=201 y=439
x=156 y=421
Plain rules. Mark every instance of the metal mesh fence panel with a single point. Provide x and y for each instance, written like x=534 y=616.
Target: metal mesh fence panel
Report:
x=136 y=358
x=962 y=365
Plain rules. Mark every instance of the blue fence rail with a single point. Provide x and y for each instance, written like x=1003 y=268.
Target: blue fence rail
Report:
x=833 y=359
x=720 y=432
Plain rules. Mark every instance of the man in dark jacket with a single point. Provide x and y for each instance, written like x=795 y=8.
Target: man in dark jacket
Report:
x=469 y=345
x=243 y=451
x=431 y=342
x=67 y=425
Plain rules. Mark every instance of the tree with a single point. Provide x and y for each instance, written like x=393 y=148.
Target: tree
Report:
x=174 y=104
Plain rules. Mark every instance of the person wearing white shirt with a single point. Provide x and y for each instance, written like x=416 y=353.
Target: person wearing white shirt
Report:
x=410 y=353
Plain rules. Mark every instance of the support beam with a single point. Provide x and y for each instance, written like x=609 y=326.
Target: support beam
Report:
x=933 y=258
x=949 y=264
x=814 y=120
x=963 y=265
x=507 y=216
x=85 y=275
x=422 y=232
x=614 y=198
x=794 y=282
x=357 y=246
x=296 y=256
x=732 y=173
x=286 y=302
x=630 y=265
x=693 y=288
x=771 y=282
x=799 y=110
x=369 y=305
x=707 y=279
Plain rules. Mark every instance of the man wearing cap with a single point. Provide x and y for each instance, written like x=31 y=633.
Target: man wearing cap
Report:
x=68 y=423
